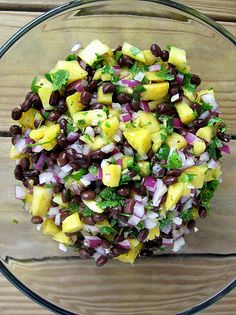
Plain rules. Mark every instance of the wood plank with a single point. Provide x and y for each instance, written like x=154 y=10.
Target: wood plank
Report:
x=18 y=81
x=164 y=284
x=222 y=9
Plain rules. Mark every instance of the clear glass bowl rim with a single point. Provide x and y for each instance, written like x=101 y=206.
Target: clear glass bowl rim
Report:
x=47 y=15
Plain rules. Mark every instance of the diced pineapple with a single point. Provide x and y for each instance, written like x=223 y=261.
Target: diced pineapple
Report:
x=147 y=120
x=175 y=192
x=139 y=139
x=114 y=112
x=153 y=104
x=91 y=52
x=105 y=77
x=149 y=57
x=95 y=143
x=76 y=72
x=153 y=233
x=45 y=94
x=72 y=223
x=199 y=171
x=111 y=175
x=92 y=205
x=97 y=74
x=49 y=140
x=153 y=76
x=49 y=227
x=189 y=94
x=40 y=201
x=38 y=134
x=29 y=196
x=89 y=118
x=133 y=52
x=212 y=174
x=111 y=61
x=15 y=155
x=199 y=147
x=57 y=199
x=110 y=127
x=104 y=98
x=144 y=167
x=185 y=112
x=155 y=91
x=130 y=257
x=43 y=82
x=177 y=57
x=157 y=139
x=127 y=161
x=99 y=224
x=205 y=133
x=195 y=213
x=61 y=237
x=73 y=103
x=176 y=140
x=27 y=118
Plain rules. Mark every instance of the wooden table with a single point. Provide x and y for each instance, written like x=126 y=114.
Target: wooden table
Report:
x=13 y=15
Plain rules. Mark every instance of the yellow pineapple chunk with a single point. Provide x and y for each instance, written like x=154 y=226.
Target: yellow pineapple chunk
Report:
x=127 y=161
x=92 y=205
x=61 y=237
x=49 y=227
x=155 y=91
x=57 y=199
x=176 y=140
x=27 y=118
x=110 y=127
x=72 y=223
x=45 y=94
x=153 y=233
x=153 y=76
x=157 y=139
x=212 y=174
x=111 y=175
x=133 y=52
x=73 y=103
x=130 y=257
x=185 y=112
x=144 y=167
x=97 y=74
x=147 y=120
x=40 y=201
x=177 y=57
x=38 y=134
x=199 y=147
x=205 y=133
x=95 y=143
x=139 y=139
x=104 y=98
x=175 y=192
x=199 y=171
x=149 y=57
x=15 y=155
x=89 y=118
x=91 y=52
x=76 y=72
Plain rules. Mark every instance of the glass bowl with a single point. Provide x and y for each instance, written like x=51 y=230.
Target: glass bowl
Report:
x=205 y=269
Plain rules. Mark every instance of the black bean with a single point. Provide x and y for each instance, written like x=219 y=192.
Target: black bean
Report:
x=66 y=195
x=195 y=79
x=29 y=95
x=100 y=217
x=105 y=243
x=163 y=199
x=92 y=86
x=26 y=183
x=18 y=172
x=16 y=113
x=191 y=224
x=115 y=211
x=89 y=220
x=196 y=107
x=163 y=108
x=125 y=61
x=102 y=260
x=63 y=124
x=171 y=112
x=108 y=88
x=173 y=83
x=76 y=199
x=25 y=163
x=175 y=172
x=26 y=106
x=62 y=107
x=62 y=158
x=150 y=153
x=123 y=192
x=223 y=136
x=14 y=139
x=135 y=103
x=169 y=180
x=172 y=70
x=54 y=116
x=97 y=155
x=198 y=123
x=142 y=235
x=123 y=98
x=84 y=254
x=75 y=166
x=173 y=90
x=57 y=188
x=129 y=206
x=64 y=215
x=117 y=251
x=37 y=123
x=36 y=101
x=202 y=212
x=183 y=132
x=54 y=98
x=86 y=98
x=15 y=130
x=141 y=190
x=62 y=141
x=88 y=195
x=36 y=219
x=191 y=130
x=71 y=154
x=156 y=50
x=154 y=244
x=164 y=55
x=146 y=252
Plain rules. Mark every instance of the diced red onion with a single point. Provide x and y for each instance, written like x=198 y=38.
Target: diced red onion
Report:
x=89 y=131
x=76 y=188
x=177 y=233
x=139 y=76
x=85 y=182
x=150 y=183
x=72 y=136
x=124 y=244
x=145 y=107
x=57 y=219
x=38 y=227
x=57 y=178
x=126 y=108
x=40 y=163
x=167 y=241
x=174 y=98
x=78 y=147
x=177 y=123
x=100 y=250
x=77 y=85
x=26 y=132
x=191 y=138
x=126 y=117
x=129 y=83
x=117 y=69
x=192 y=192
x=204 y=115
x=204 y=157
x=20 y=192
x=184 y=199
x=210 y=99
x=76 y=47
x=53 y=211
x=66 y=168
x=62 y=247
x=166 y=229
x=21 y=145
x=133 y=220
x=149 y=224
x=99 y=175
x=178 y=221
x=86 y=149
x=188 y=204
x=128 y=151
x=179 y=78
x=108 y=148
x=155 y=67
x=160 y=190
x=46 y=178
x=37 y=148
x=178 y=244
x=92 y=241
x=116 y=106
x=188 y=162
x=225 y=148
x=139 y=210
x=90 y=177
x=117 y=156
x=152 y=215
x=119 y=162
x=91 y=228
x=212 y=164
x=96 y=256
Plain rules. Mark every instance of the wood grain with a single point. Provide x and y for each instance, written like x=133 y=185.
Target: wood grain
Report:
x=220 y=9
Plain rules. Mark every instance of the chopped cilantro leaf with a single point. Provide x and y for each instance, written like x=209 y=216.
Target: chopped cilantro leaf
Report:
x=109 y=194
x=48 y=77
x=208 y=191
x=59 y=79
x=138 y=67
x=214 y=120
x=187 y=178
x=139 y=88
x=174 y=161
x=135 y=51
x=163 y=152
x=120 y=89
x=87 y=137
x=110 y=203
x=132 y=166
x=71 y=57
x=106 y=230
x=118 y=54
x=69 y=128
x=48 y=185
x=206 y=106
x=93 y=170
x=107 y=124
x=124 y=180
x=165 y=74
x=73 y=207
x=86 y=212
x=113 y=222
x=34 y=87
x=79 y=174
x=168 y=123
x=81 y=122
x=114 y=78
x=186 y=215
x=212 y=148
x=123 y=214
x=106 y=110
x=187 y=83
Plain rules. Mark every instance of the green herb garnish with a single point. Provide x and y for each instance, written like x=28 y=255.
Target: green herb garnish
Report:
x=59 y=78
x=106 y=230
x=187 y=83
x=79 y=174
x=135 y=51
x=174 y=161
x=187 y=178
x=165 y=74
x=34 y=87
x=71 y=57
